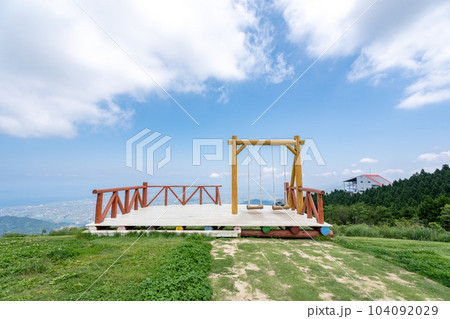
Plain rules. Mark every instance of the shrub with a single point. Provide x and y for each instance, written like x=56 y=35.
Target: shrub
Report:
x=5 y=235
x=66 y=231
x=182 y=275
x=400 y=231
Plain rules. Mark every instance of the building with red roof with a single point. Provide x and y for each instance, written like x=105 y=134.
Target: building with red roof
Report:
x=362 y=183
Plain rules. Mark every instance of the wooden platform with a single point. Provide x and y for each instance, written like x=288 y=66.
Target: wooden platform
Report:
x=208 y=215
x=208 y=233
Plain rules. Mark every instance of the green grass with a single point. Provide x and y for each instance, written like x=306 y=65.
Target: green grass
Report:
x=274 y=269
x=63 y=267
x=182 y=275
x=172 y=267
x=413 y=232
x=430 y=259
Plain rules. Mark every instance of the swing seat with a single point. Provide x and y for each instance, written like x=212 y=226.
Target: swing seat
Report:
x=255 y=206
x=275 y=207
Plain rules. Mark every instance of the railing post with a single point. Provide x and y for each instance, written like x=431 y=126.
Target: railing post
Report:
x=184 y=195
x=219 y=200
x=201 y=199
x=165 y=195
x=286 y=194
x=293 y=198
x=136 y=199
x=127 y=201
x=308 y=199
x=98 y=208
x=114 y=206
x=320 y=208
x=144 y=194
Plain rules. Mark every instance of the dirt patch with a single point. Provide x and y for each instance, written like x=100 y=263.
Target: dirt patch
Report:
x=286 y=253
x=302 y=254
x=326 y=296
x=245 y=292
x=251 y=266
x=270 y=272
x=396 y=278
x=326 y=266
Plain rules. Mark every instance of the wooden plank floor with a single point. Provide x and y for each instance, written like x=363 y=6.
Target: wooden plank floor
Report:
x=209 y=215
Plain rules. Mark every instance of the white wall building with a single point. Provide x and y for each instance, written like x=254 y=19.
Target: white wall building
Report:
x=362 y=183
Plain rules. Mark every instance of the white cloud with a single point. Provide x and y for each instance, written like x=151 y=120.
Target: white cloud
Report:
x=219 y=175
x=59 y=71
x=277 y=173
x=368 y=160
x=353 y=171
x=327 y=174
x=344 y=172
x=443 y=157
x=412 y=37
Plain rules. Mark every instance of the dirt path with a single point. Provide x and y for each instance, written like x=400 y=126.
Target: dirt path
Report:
x=274 y=269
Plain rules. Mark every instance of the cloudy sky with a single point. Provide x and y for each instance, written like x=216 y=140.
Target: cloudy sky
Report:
x=368 y=82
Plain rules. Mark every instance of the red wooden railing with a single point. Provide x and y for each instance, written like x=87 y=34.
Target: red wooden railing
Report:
x=308 y=202
x=141 y=200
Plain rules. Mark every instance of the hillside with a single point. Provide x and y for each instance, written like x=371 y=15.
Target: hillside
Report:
x=423 y=198
x=26 y=225
x=405 y=192
x=171 y=267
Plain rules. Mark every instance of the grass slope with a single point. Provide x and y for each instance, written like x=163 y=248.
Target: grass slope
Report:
x=63 y=267
x=274 y=269
x=173 y=267
x=431 y=259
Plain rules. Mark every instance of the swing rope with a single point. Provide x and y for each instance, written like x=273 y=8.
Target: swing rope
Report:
x=248 y=176
x=260 y=187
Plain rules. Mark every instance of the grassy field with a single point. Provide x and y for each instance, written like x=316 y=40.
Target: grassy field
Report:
x=274 y=269
x=64 y=267
x=431 y=259
x=190 y=268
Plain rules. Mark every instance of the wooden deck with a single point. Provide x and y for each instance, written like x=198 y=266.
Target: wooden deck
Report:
x=208 y=215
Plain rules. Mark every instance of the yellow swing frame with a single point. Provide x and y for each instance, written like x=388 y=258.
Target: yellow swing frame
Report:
x=296 y=176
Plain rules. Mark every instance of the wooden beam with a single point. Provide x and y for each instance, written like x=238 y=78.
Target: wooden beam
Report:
x=264 y=142
x=234 y=190
x=240 y=149
x=291 y=149
x=312 y=190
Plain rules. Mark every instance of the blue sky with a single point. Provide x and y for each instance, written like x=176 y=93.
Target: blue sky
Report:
x=75 y=85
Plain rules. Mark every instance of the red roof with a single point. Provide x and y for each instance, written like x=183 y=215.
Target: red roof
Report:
x=370 y=177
